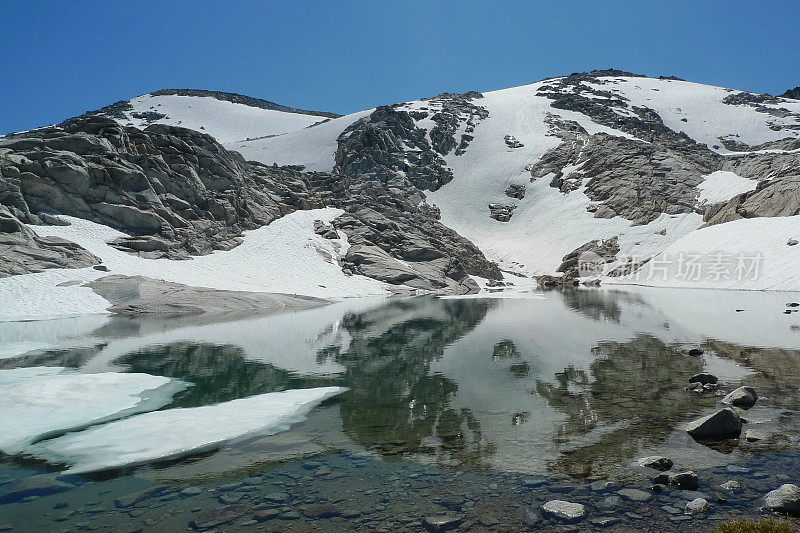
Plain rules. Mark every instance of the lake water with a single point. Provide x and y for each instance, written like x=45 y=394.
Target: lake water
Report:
x=479 y=409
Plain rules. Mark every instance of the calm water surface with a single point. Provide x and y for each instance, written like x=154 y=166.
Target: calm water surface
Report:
x=478 y=408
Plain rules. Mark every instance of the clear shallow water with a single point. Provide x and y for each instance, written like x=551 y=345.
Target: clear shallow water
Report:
x=448 y=399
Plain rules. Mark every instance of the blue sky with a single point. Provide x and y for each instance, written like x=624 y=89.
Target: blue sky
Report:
x=60 y=59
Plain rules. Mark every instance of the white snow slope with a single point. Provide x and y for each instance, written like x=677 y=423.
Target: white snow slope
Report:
x=42 y=401
x=225 y=121
x=547 y=224
x=173 y=433
x=284 y=257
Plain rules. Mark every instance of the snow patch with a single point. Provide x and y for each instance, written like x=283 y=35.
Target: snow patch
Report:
x=284 y=257
x=722 y=185
x=223 y=120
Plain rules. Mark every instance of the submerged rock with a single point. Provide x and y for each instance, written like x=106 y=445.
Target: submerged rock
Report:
x=723 y=423
x=442 y=522
x=220 y=516
x=635 y=495
x=563 y=510
x=41 y=485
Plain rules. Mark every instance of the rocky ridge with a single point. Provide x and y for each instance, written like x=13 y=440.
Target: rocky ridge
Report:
x=178 y=193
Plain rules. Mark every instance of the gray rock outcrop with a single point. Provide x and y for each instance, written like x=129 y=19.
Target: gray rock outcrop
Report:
x=22 y=251
x=178 y=193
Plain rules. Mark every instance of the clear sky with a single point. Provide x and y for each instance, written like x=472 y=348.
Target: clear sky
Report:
x=60 y=59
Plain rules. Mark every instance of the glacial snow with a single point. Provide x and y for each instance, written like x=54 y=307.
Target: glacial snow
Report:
x=707 y=117
x=40 y=402
x=750 y=253
x=173 y=433
x=314 y=148
x=722 y=185
x=225 y=121
x=284 y=257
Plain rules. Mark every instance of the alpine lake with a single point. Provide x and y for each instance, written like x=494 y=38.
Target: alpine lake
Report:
x=463 y=414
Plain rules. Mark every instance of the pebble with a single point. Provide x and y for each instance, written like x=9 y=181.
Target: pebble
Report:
x=442 y=522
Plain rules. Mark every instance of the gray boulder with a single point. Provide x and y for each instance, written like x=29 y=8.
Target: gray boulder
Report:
x=744 y=397
x=696 y=507
x=723 y=423
x=685 y=480
x=703 y=378
x=784 y=499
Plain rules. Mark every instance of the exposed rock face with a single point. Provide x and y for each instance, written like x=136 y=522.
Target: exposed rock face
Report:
x=516 y=191
x=605 y=250
x=452 y=109
x=178 y=193
x=628 y=178
x=792 y=93
x=387 y=146
x=22 y=251
x=512 y=142
x=778 y=197
x=501 y=212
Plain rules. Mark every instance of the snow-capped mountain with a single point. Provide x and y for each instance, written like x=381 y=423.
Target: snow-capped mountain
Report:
x=227 y=117
x=662 y=181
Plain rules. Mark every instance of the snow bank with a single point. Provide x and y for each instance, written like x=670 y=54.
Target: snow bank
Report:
x=748 y=254
x=176 y=432
x=546 y=224
x=42 y=401
x=284 y=257
x=722 y=185
x=706 y=117
x=225 y=121
x=313 y=148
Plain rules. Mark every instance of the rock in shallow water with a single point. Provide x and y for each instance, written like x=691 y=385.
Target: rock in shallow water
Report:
x=685 y=480
x=635 y=495
x=744 y=397
x=563 y=510
x=723 y=423
x=656 y=462
x=442 y=522
x=784 y=499
x=698 y=506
